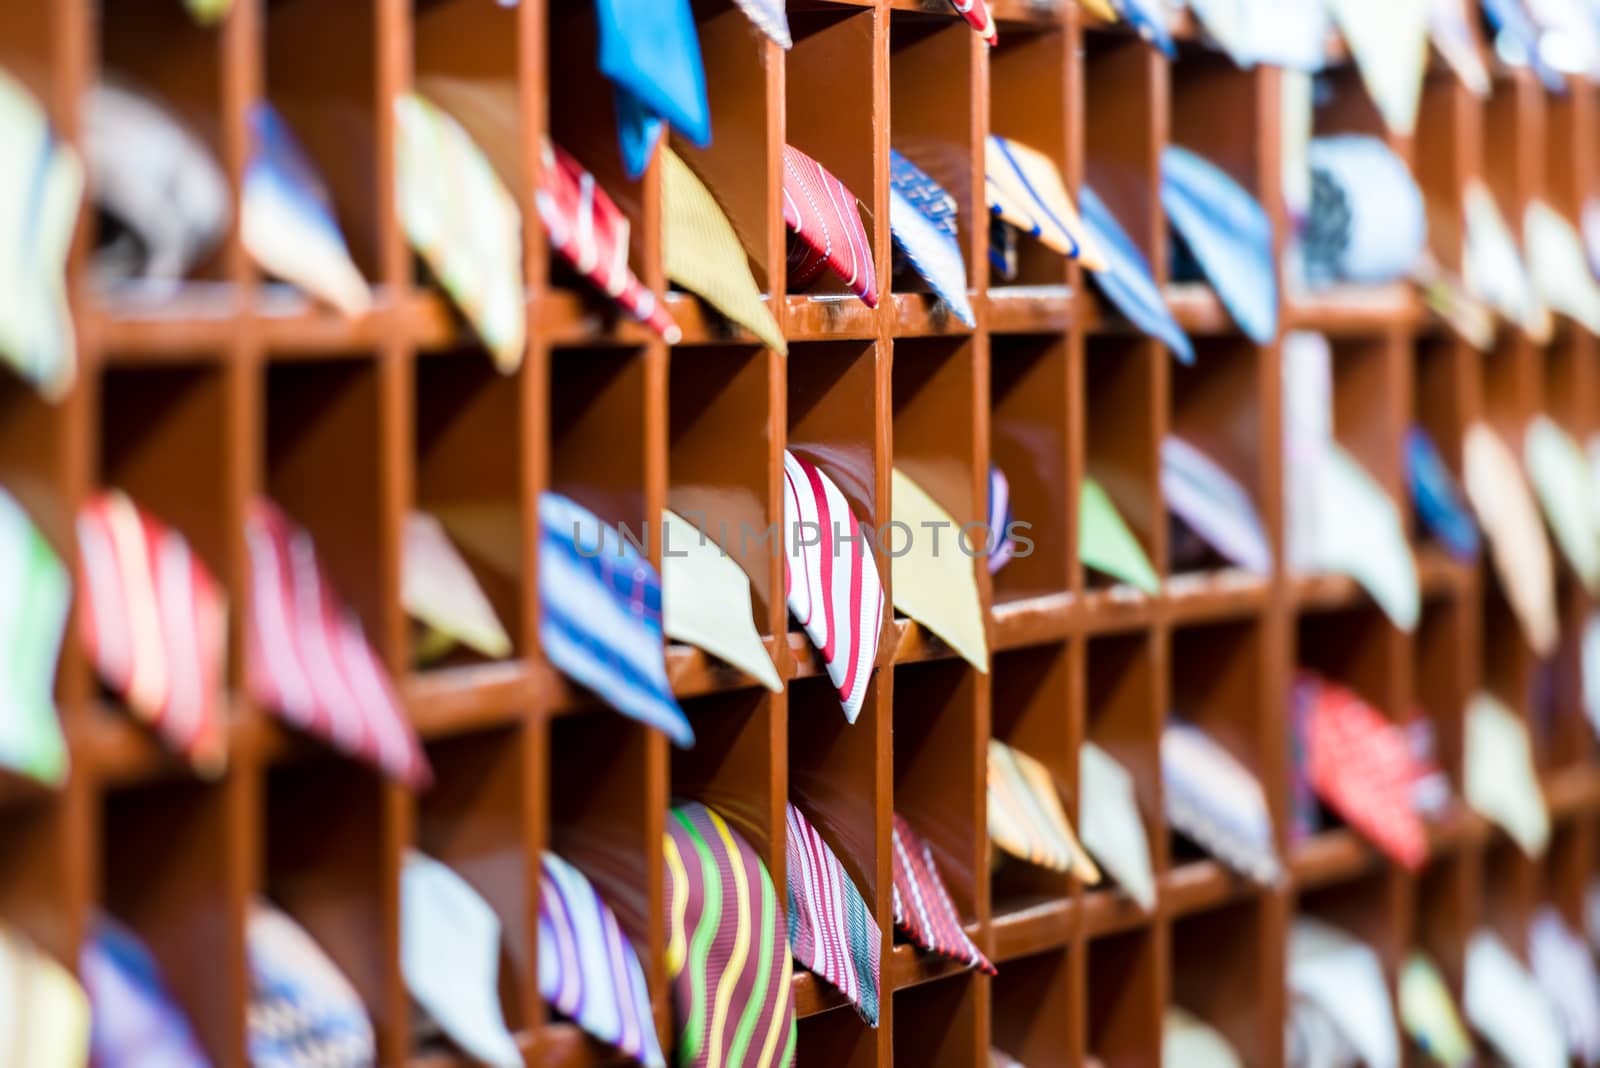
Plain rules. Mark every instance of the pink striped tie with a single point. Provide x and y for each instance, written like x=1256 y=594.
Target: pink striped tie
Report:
x=976 y=12
x=827 y=228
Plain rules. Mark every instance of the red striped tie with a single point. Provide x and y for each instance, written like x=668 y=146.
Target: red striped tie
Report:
x=827 y=228
x=922 y=905
x=308 y=659
x=976 y=12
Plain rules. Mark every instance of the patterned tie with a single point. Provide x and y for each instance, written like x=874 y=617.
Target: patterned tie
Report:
x=462 y=221
x=154 y=621
x=831 y=928
x=1208 y=500
x=48 y=1012
x=1362 y=768
x=1517 y=546
x=976 y=12
x=1565 y=970
x=1106 y=543
x=1501 y=780
x=135 y=1021
x=1229 y=234
x=1344 y=978
x=701 y=252
x=1428 y=1014
x=439 y=590
x=706 y=601
x=833 y=587
x=600 y=618
x=308 y=660
x=1367 y=223
x=769 y=16
x=287 y=221
x=1025 y=188
x=922 y=905
x=41 y=186
x=303 y=1011
x=1025 y=814
x=33 y=616
x=922 y=221
x=728 y=957
x=1214 y=801
x=935 y=583
x=825 y=219
x=1113 y=831
x=1003 y=249
x=588 y=969
x=1127 y=280
x=590 y=232
x=1363 y=536
x=1000 y=520
x=650 y=51
x=1505 y=1006
x=1149 y=20
x=1559 y=471
x=1494 y=267
x=1438 y=498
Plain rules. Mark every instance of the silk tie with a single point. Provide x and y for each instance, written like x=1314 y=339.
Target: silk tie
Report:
x=1501 y=780
x=1025 y=814
x=1511 y=20
x=1362 y=535
x=1213 y=800
x=1126 y=280
x=135 y=1020
x=1438 y=497
x=1228 y=233
x=600 y=619
x=1113 y=831
x=588 y=970
x=922 y=905
x=1517 y=546
x=208 y=12
x=439 y=590
x=1508 y=1009
x=1494 y=268
x=1368 y=224
x=922 y=222
x=1193 y=1043
x=1389 y=43
x=651 y=52
x=701 y=252
x=1565 y=970
x=1559 y=266
x=154 y=621
x=1559 y=471
x=1000 y=521
x=825 y=220
x=833 y=588
x=706 y=601
x=308 y=660
x=727 y=958
x=1149 y=20
x=1451 y=24
x=1106 y=544
x=1025 y=188
x=1428 y=1014
x=303 y=1011
x=590 y=232
x=32 y=619
x=769 y=16
x=934 y=581
x=1344 y=979
x=46 y=1013
x=831 y=928
x=1208 y=500
x=976 y=12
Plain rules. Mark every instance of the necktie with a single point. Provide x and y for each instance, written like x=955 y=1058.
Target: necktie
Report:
x=600 y=619
x=450 y=955
x=303 y=1011
x=1519 y=34
x=1228 y=233
x=1100 y=9
x=1344 y=979
x=933 y=581
x=1561 y=478
x=1149 y=20
x=1446 y=295
x=1450 y=25
x=308 y=660
x=706 y=601
x=922 y=905
x=1025 y=814
x=1501 y=781
x=1565 y=970
x=701 y=252
x=135 y=1021
x=1591 y=670
x=590 y=232
x=44 y=1013
x=922 y=221
x=154 y=621
x=1106 y=544
x=1308 y=433
x=1113 y=831
x=727 y=956
x=287 y=219
x=1438 y=498
x=32 y=617
x=1559 y=267
x=438 y=589
x=1214 y=801
x=823 y=216
x=769 y=16
x=650 y=51
x=1202 y=494
x=1002 y=249
x=1126 y=280
x=1228 y=23
x=1505 y=1005
x=1517 y=546
x=1367 y=223
x=999 y=1058
x=976 y=12
x=207 y=12
x=833 y=587
x=1428 y=1014
x=1189 y=1041
x=1025 y=188
x=1389 y=43
x=1000 y=521
x=41 y=185
x=462 y=221
x=588 y=969
x=1361 y=767
x=1494 y=267
x=1362 y=535
x=831 y=928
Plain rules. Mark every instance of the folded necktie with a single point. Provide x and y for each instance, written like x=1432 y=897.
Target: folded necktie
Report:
x=462 y=221
x=1214 y=506
x=308 y=660
x=825 y=221
x=1188 y=1041
x=1389 y=43
x=976 y=12
x=999 y=1058
x=1505 y=1005
x=1519 y=37
x=1126 y=279
x=600 y=619
x=1214 y=801
x=933 y=579
x=1025 y=188
x=1149 y=20
x=1000 y=521
x=1229 y=235
x=770 y=17
x=41 y=186
x=1428 y=1014
x=727 y=958
x=922 y=221
x=1100 y=9
x=650 y=51
x=1438 y=498
x=33 y=615
x=1559 y=267
x=590 y=232
x=450 y=955
x=1308 y=433
x=1494 y=269
x=706 y=602
x=1501 y=781
x=1565 y=970
x=1344 y=979
x=1363 y=536
x=1305 y=814
x=1025 y=814
x=207 y=12
x=303 y=1011
x=1002 y=249
x=1447 y=296
x=1570 y=37
x=588 y=969
x=1450 y=22
x=1560 y=474
x=1367 y=223
x=1517 y=546
x=439 y=590
x=922 y=905
x=1228 y=22
x=44 y=1022
x=154 y=622
x=287 y=221
x=1362 y=768
x=1106 y=544
x=135 y=1020
x=831 y=929
x=701 y=252
x=1113 y=831
x=833 y=587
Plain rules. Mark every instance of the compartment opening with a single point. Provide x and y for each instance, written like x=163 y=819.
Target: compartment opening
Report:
x=1029 y=433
